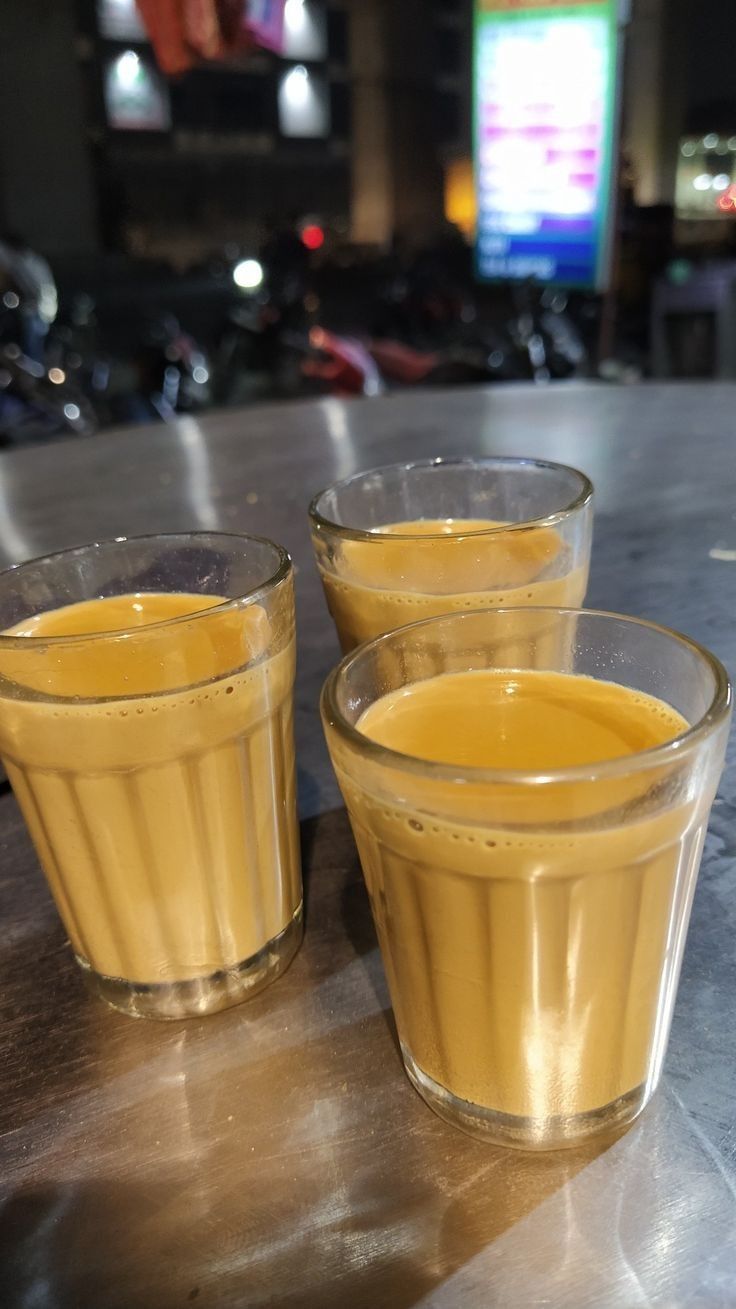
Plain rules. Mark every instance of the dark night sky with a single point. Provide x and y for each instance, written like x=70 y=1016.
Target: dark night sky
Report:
x=711 y=52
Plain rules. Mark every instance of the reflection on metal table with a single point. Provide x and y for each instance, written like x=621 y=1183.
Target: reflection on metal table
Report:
x=275 y=1155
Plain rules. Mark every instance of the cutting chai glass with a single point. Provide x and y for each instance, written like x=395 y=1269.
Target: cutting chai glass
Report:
x=414 y=540
x=155 y=765
x=532 y=922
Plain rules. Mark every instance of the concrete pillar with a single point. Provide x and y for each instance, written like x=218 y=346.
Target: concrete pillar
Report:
x=417 y=174
x=371 y=180
x=396 y=174
x=655 y=93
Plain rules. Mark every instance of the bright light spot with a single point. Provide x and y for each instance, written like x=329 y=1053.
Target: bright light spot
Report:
x=313 y=236
x=248 y=274
x=305 y=31
x=296 y=23
x=688 y=149
x=10 y=300
x=119 y=20
x=72 y=412
x=200 y=374
x=703 y=182
x=461 y=207
x=57 y=376
x=721 y=181
x=296 y=87
x=732 y=143
x=710 y=141
x=128 y=67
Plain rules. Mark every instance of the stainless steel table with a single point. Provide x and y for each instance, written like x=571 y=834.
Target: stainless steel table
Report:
x=276 y=1155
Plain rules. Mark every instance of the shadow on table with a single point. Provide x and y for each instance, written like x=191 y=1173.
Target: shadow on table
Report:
x=339 y=1220
x=429 y=1222
x=328 y=848
x=276 y=1157
x=57 y=1042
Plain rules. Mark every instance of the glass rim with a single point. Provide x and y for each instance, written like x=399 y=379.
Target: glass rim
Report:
x=583 y=497
x=596 y=770
x=282 y=571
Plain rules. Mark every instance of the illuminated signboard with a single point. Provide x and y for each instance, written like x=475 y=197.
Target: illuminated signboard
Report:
x=544 y=122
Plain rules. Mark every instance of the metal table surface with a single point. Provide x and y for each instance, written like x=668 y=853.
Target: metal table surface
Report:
x=276 y=1155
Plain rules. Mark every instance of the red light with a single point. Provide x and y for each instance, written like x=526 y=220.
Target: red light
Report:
x=313 y=237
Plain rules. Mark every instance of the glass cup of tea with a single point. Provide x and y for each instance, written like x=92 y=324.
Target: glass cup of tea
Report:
x=529 y=791
x=412 y=541
x=146 y=729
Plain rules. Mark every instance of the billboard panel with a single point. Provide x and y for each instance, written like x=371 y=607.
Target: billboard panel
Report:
x=545 y=95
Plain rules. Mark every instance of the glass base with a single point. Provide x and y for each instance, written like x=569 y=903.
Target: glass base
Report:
x=561 y=1132
x=201 y=995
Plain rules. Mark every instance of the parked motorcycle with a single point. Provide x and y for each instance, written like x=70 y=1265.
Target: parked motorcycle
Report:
x=38 y=400
x=37 y=404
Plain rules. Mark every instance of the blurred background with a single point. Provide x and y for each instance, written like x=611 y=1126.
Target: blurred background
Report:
x=216 y=202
